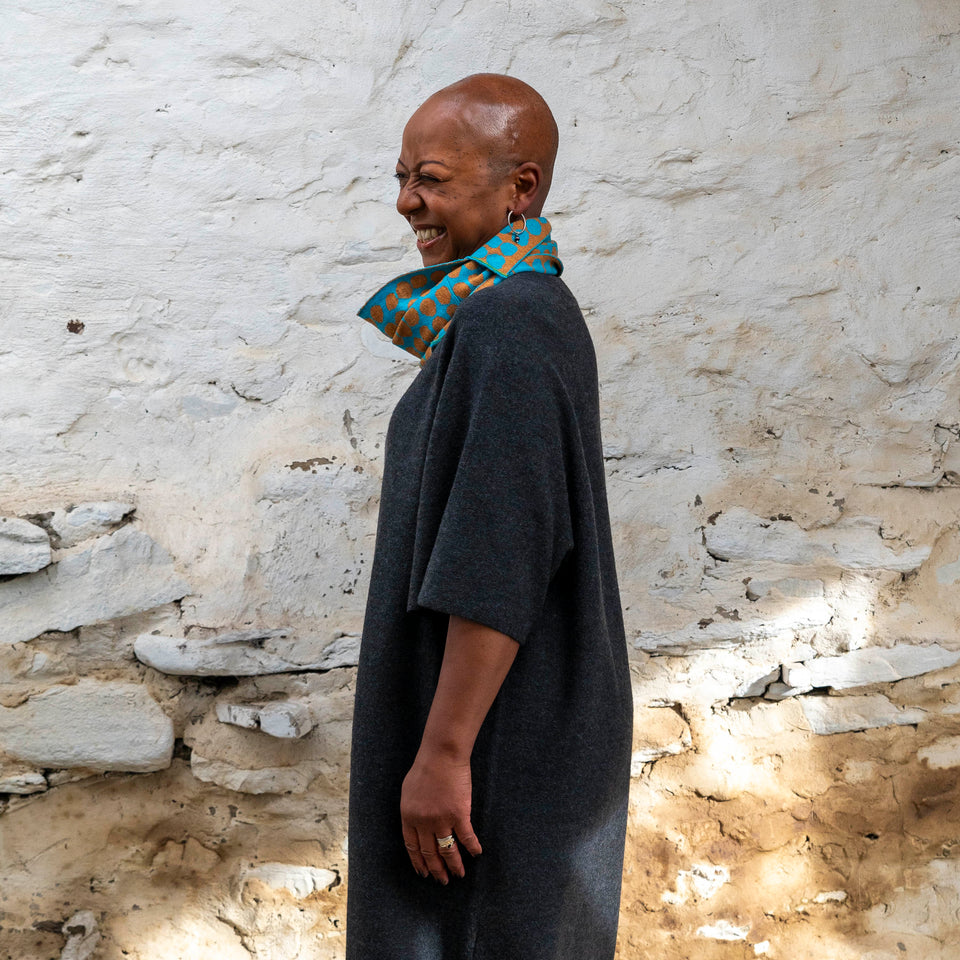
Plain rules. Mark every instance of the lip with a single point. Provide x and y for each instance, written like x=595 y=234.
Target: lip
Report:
x=423 y=245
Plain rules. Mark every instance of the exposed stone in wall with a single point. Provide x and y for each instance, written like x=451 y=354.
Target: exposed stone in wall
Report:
x=871 y=665
x=82 y=521
x=658 y=732
x=20 y=781
x=854 y=543
x=755 y=205
x=93 y=724
x=24 y=547
x=147 y=853
x=114 y=576
x=244 y=653
x=942 y=754
x=286 y=719
x=263 y=760
x=82 y=936
x=843 y=714
x=300 y=882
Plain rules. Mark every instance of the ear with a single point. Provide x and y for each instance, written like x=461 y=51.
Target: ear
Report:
x=526 y=180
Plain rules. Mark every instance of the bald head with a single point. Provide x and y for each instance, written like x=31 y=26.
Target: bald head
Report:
x=475 y=156
x=509 y=122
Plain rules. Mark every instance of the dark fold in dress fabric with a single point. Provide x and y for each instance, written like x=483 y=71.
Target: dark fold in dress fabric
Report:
x=494 y=508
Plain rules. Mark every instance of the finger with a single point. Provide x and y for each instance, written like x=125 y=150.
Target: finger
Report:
x=451 y=857
x=428 y=850
x=412 y=843
x=468 y=839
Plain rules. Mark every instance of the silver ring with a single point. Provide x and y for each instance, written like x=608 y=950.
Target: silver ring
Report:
x=445 y=843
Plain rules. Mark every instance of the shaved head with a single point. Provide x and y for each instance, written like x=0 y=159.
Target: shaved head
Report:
x=509 y=121
x=474 y=156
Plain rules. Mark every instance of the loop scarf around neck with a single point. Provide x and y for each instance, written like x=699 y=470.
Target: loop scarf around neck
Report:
x=414 y=309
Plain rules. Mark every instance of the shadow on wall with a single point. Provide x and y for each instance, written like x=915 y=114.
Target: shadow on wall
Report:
x=840 y=845
x=174 y=868
x=794 y=794
x=796 y=791
x=160 y=796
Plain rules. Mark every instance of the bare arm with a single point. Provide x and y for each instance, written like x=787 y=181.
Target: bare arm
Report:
x=435 y=801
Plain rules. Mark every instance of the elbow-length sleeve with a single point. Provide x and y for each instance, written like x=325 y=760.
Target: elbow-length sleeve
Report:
x=494 y=515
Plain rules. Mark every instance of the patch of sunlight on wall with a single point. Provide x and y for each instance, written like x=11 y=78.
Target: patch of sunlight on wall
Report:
x=186 y=935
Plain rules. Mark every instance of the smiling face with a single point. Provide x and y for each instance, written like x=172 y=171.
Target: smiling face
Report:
x=454 y=191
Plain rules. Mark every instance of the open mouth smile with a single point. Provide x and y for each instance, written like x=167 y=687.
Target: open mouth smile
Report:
x=428 y=236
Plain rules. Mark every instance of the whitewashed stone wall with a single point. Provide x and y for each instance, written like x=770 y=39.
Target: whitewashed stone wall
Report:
x=758 y=206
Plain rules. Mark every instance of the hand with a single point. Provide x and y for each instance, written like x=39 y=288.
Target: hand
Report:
x=435 y=802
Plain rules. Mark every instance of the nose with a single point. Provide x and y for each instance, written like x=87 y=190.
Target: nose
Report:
x=408 y=200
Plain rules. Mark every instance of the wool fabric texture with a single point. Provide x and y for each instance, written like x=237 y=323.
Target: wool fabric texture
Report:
x=414 y=309
x=493 y=508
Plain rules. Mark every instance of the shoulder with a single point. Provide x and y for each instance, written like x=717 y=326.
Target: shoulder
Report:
x=528 y=319
x=530 y=296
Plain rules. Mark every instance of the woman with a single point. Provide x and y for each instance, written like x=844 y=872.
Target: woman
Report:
x=491 y=743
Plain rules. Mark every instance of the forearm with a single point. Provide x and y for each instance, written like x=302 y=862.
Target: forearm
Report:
x=476 y=661
x=436 y=795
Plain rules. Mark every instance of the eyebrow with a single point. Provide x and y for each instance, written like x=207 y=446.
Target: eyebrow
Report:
x=423 y=163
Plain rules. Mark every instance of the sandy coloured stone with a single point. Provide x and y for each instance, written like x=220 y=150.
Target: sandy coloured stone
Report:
x=293 y=779
x=191 y=856
x=658 y=732
x=299 y=881
x=247 y=761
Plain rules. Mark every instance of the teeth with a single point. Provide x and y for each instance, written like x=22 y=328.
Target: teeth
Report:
x=429 y=233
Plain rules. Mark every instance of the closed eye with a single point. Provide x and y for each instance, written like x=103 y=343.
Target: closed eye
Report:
x=402 y=177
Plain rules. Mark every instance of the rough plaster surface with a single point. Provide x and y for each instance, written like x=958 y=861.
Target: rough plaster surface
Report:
x=757 y=207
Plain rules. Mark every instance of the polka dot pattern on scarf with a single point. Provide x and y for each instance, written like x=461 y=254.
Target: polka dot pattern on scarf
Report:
x=414 y=309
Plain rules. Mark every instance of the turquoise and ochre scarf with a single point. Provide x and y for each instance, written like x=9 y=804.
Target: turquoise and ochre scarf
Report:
x=414 y=310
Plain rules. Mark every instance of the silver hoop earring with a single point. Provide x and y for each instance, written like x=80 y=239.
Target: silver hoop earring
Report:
x=518 y=230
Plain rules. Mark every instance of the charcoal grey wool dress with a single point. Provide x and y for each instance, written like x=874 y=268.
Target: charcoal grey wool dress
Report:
x=494 y=508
